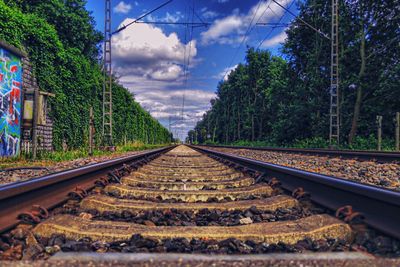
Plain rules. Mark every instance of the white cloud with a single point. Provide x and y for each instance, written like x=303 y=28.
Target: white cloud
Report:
x=230 y=29
x=168 y=73
x=225 y=73
x=151 y=67
x=123 y=8
x=165 y=104
x=208 y=14
x=175 y=17
x=169 y=17
x=223 y=1
x=221 y=28
x=277 y=39
x=155 y=55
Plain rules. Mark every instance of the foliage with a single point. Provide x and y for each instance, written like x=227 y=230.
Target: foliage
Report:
x=314 y=142
x=370 y=143
x=359 y=143
x=284 y=101
x=60 y=38
x=253 y=144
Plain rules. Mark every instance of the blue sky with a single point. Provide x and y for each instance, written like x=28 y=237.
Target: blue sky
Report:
x=150 y=59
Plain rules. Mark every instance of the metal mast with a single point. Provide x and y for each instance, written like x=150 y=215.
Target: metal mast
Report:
x=107 y=91
x=334 y=90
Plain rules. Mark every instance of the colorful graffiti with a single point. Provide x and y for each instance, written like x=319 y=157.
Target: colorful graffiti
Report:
x=10 y=102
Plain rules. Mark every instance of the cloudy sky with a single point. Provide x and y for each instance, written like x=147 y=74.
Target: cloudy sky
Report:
x=162 y=64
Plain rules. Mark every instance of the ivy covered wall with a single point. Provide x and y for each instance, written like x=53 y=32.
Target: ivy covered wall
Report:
x=62 y=44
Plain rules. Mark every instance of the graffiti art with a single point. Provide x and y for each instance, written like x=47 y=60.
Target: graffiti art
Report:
x=10 y=102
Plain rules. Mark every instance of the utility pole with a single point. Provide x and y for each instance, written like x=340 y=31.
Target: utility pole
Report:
x=169 y=128
x=379 y=124
x=334 y=125
x=334 y=112
x=397 y=131
x=107 y=86
x=91 y=131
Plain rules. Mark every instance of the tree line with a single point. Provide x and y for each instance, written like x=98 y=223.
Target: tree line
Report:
x=62 y=43
x=283 y=99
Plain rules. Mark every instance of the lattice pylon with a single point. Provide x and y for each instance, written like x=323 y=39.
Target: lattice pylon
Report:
x=107 y=85
x=334 y=127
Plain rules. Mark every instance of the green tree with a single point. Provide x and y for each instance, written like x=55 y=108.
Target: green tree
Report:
x=63 y=59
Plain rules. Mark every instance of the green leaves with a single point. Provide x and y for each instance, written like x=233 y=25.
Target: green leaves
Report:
x=279 y=101
x=61 y=41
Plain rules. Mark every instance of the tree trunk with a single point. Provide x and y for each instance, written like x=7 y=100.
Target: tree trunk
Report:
x=227 y=126
x=238 y=124
x=261 y=120
x=253 y=134
x=215 y=129
x=358 y=103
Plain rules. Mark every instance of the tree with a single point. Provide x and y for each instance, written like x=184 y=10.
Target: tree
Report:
x=279 y=101
x=65 y=65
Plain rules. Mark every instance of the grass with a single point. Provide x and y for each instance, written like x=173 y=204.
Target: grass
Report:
x=48 y=158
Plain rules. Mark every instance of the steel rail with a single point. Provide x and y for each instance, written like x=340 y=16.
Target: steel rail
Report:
x=380 y=207
x=51 y=190
x=359 y=154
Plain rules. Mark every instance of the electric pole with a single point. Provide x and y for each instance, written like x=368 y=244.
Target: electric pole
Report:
x=397 y=131
x=169 y=127
x=107 y=85
x=334 y=112
x=379 y=126
x=334 y=125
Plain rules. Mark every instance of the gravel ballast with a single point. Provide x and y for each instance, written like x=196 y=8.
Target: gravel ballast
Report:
x=370 y=172
x=23 y=171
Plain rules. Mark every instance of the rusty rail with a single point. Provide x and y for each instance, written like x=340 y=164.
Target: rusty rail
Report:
x=51 y=190
x=380 y=207
x=359 y=154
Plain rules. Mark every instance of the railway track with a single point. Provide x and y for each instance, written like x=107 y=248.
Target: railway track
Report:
x=23 y=199
x=192 y=200
x=380 y=156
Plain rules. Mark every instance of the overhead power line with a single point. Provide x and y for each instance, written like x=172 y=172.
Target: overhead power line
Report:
x=273 y=24
x=107 y=68
x=142 y=16
x=306 y=23
x=193 y=24
x=334 y=110
x=273 y=28
x=249 y=28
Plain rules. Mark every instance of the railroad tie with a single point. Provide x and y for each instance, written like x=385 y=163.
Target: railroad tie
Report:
x=104 y=203
x=196 y=185
x=186 y=177
x=125 y=191
x=162 y=185
x=314 y=227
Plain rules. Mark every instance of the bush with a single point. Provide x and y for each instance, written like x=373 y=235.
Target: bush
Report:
x=315 y=142
x=359 y=143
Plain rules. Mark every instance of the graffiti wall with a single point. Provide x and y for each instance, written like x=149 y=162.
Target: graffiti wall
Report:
x=10 y=102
